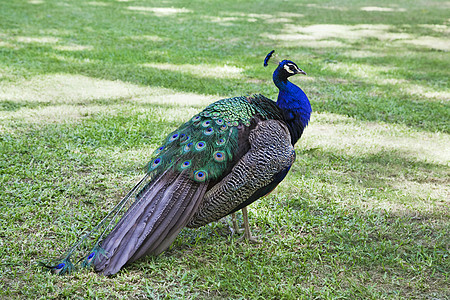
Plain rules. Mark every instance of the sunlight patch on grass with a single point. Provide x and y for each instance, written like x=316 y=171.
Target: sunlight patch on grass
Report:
x=277 y=17
x=38 y=40
x=72 y=97
x=415 y=190
x=207 y=71
x=382 y=9
x=427 y=195
x=35 y=1
x=337 y=132
x=153 y=38
x=166 y=96
x=4 y=44
x=224 y=21
x=55 y=114
x=347 y=32
x=73 y=47
x=359 y=70
x=330 y=7
x=160 y=11
x=364 y=53
x=430 y=42
x=96 y=3
x=335 y=34
x=381 y=75
x=62 y=88
x=424 y=91
x=437 y=28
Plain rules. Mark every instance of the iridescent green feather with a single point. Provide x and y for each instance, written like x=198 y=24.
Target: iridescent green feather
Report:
x=206 y=144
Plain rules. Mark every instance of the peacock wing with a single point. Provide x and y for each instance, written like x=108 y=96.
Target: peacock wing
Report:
x=271 y=154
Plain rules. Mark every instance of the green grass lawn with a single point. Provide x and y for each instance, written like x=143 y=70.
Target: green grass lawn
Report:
x=89 y=88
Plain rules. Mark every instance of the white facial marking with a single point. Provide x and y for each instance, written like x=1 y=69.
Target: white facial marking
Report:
x=288 y=69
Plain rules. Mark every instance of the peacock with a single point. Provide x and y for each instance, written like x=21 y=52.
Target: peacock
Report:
x=232 y=153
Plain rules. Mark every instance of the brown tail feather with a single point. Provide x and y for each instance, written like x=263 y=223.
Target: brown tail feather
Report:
x=152 y=222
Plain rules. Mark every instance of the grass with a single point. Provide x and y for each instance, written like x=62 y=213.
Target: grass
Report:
x=89 y=88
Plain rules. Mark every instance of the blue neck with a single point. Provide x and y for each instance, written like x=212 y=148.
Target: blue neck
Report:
x=295 y=105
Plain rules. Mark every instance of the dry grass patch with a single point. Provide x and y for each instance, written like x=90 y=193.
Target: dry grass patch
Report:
x=337 y=132
x=160 y=11
x=208 y=71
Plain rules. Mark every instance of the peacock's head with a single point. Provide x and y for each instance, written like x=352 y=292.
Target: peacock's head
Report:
x=285 y=69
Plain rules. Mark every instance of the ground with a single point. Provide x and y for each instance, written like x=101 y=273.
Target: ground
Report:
x=88 y=89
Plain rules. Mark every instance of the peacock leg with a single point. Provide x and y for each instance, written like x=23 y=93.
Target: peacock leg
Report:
x=247 y=234
x=236 y=228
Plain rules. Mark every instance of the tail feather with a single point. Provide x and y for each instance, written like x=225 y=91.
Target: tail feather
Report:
x=71 y=260
x=167 y=230
x=152 y=222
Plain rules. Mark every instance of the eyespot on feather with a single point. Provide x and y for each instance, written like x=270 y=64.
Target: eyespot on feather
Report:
x=90 y=257
x=200 y=146
x=206 y=123
x=219 y=156
x=220 y=142
x=200 y=175
x=174 y=137
x=188 y=147
x=57 y=269
x=208 y=131
x=184 y=138
x=186 y=164
x=159 y=149
x=156 y=162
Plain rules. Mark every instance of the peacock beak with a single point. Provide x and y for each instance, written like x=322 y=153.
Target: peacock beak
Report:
x=300 y=71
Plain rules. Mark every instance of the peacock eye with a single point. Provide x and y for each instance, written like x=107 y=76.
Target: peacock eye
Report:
x=220 y=142
x=200 y=146
x=60 y=266
x=159 y=150
x=186 y=164
x=174 y=137
x=208 y=131
x=200 y=176
x=90 y=257
x=219 y=156
x=155 y=163
x=188 y=147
